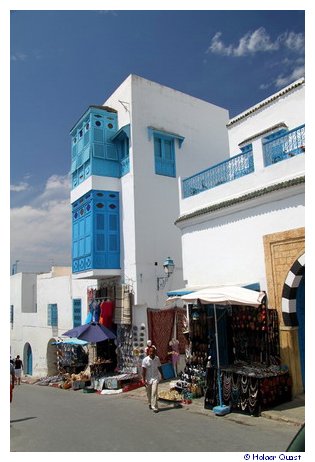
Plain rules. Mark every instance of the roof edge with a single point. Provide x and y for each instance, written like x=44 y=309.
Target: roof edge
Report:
x=266 y=101
x=243 y=198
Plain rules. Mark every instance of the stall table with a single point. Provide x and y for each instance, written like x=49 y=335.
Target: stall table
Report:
x=250 y=389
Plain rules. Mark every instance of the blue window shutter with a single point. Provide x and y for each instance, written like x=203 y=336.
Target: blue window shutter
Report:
x=164 y=153
x=52 y=314
x=76 y=311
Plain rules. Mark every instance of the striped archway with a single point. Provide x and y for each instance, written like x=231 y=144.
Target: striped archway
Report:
x=289 y=292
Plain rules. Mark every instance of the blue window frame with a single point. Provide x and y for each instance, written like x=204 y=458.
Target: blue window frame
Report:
x=164 y=151
x=52 y=314
x=76 y=312
x=164 y=156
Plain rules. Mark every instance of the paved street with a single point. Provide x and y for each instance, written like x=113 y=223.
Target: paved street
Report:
x=53 y=420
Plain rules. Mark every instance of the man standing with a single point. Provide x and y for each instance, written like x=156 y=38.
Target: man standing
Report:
x=151 y=373
x=18 y=369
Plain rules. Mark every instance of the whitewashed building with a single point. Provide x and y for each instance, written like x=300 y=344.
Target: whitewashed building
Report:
x=42 y=308
x=132 y=150
x=126 y=158
x=242 y=221
x=239 y=222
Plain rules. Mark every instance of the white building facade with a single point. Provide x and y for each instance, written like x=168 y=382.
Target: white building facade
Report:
x=242 y=222
x=126 y=159
x=239 y=222
x=157 y=134
x=43 y=307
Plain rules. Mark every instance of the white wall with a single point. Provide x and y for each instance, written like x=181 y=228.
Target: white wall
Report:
x=156 y=197
x=228 y=250
x=226 y=246
x=281 y=171
x=288 y=108
x=150 y=202
x=56 y=286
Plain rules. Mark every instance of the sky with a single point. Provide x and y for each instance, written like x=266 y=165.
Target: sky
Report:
x=63 y=60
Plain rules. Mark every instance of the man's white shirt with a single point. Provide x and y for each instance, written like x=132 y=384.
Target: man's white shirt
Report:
x=151 y=366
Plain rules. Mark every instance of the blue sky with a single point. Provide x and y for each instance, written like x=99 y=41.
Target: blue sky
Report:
x=63 y=61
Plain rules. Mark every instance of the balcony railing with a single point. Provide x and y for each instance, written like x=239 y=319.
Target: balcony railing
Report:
x=284 y=146
x=226 y=171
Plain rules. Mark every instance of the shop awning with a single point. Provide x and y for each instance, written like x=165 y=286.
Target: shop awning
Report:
x=180 y=293
x=226 y=295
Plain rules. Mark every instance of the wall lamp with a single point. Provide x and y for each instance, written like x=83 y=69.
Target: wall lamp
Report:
x=168 y=266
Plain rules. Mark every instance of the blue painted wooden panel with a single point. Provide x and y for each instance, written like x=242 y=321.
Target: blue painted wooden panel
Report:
x=77 y=312
x=164 y=155
x=96 y=231
x=29 y=361
x=92 y=151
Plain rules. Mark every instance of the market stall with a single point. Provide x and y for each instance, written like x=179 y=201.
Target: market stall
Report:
x=71 y=355
x=234 y=352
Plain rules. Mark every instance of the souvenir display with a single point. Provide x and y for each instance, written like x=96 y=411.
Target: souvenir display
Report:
x=251 y=376
x=71 y=358
x=255 y=334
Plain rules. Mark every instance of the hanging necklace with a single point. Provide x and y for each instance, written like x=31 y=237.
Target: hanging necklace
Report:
x=235 y=390
x=244 y=384
x=227 y=382
x=243 y=404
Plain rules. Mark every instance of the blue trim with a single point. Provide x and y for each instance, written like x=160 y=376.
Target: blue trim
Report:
x=179 y=292
x=122 y=132
x=253 y=286
x=284 y=145
x=228 y=170
x=166 y=135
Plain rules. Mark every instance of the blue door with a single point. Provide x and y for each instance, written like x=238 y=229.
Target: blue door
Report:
x=29 y=361
x=300 y=312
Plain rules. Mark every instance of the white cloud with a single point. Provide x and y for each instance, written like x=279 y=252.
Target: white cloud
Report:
x=22 y=186
x=293 y=41
x=283 y=80
x=257 y=41
x=41 y=231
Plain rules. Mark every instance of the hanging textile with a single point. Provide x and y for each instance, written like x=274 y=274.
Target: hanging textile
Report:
x=123 y=304
x=161 y=326
x=107 y=310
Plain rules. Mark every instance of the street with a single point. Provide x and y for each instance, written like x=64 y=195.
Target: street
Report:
x=47 y=419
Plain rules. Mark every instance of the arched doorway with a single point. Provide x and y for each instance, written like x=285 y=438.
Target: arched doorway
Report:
x=300 y=313
x=28 y=359
x=51 y=358
x=293 y=305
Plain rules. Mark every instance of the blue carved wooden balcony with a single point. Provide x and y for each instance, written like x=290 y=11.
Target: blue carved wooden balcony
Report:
x=284 y=145
x=125 y=166
x=228 y=170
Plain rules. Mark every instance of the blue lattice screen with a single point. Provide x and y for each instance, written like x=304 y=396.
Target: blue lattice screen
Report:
x=95 y=231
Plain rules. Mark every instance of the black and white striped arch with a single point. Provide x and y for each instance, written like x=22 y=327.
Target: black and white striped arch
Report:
x=290 y=287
